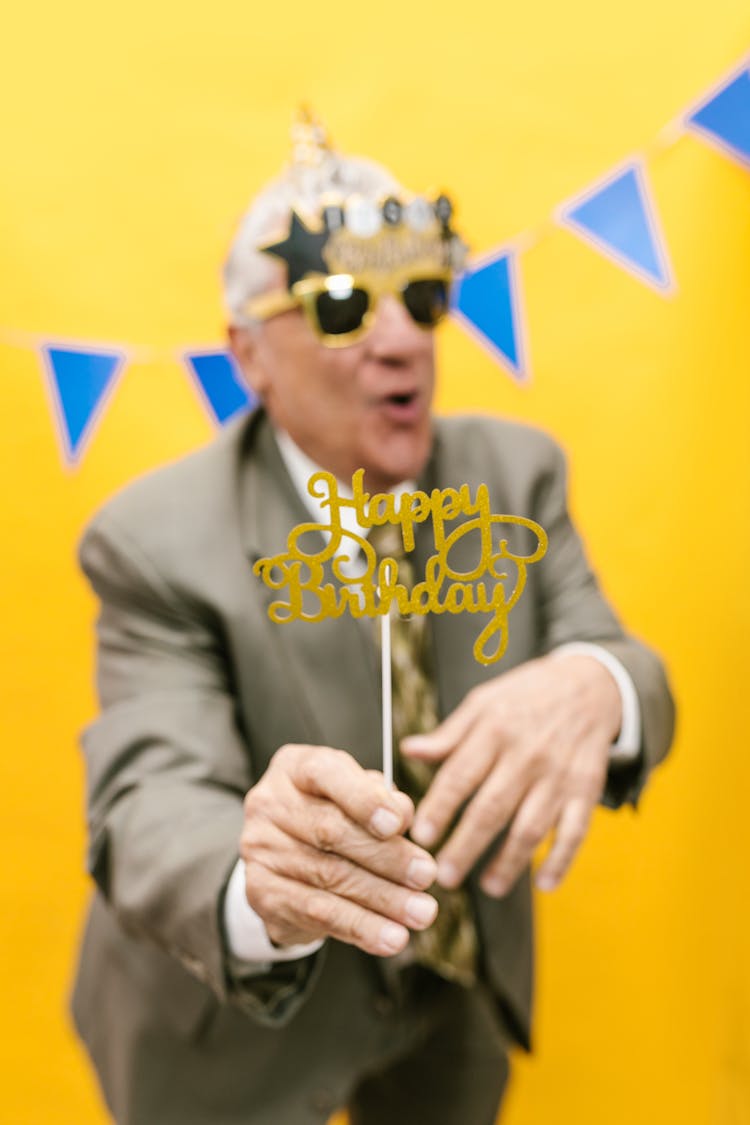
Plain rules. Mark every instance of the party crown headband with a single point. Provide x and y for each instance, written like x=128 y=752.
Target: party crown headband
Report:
x=357 y=235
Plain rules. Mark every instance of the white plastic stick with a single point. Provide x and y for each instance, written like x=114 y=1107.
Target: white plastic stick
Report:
x=385 y=661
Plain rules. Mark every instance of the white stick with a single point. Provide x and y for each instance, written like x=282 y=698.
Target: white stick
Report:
x=385 y=663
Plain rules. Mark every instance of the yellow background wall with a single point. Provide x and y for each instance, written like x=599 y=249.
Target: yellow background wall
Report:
x=132 y=138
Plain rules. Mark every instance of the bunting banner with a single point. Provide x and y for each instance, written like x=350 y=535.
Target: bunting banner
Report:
x=79 y=381
x=220 y=384
x=724 y=117
x=487 y=301
x=616 y=216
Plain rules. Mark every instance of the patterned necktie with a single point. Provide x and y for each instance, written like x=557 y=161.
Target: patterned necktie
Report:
x=449 y=945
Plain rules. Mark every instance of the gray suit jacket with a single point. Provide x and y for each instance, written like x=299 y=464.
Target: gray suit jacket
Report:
x=198 y=689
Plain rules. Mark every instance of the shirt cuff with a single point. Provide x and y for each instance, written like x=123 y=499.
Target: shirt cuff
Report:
x=627 y=746
x=246 y=932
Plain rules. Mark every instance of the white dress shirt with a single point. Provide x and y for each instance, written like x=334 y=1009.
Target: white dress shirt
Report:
x=246 y=933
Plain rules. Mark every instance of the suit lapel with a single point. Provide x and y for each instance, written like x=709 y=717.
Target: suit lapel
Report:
x=331 y=664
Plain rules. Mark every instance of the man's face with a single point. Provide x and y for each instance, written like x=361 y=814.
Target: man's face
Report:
x=365 y=406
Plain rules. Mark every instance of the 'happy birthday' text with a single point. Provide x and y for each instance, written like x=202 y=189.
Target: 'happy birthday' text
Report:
x=374 y=593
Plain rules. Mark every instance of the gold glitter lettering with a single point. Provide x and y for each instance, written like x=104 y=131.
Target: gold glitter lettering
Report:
x=444 y=589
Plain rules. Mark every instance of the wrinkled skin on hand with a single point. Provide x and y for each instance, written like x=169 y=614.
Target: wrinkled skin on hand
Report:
x=529 y=751
x=326 y=856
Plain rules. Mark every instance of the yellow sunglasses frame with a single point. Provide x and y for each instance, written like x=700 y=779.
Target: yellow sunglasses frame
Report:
x=303 y=295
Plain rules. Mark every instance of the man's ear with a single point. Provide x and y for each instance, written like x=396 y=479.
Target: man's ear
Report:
x=243 y=344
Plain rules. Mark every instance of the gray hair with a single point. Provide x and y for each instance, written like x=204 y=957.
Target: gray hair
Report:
x=247 y=272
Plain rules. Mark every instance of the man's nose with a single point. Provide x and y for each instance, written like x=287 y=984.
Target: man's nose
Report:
x=395 y=337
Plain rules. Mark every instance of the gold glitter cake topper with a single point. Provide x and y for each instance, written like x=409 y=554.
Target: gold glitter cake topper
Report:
x=310 y=597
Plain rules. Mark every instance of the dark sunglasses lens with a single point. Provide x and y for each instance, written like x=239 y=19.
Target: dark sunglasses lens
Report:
x=341 y=312
x=427 y=299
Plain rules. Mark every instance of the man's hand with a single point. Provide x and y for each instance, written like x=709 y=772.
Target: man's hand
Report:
x=325 y=854
x=528 y=749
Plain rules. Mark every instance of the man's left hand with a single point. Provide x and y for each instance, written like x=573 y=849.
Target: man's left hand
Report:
x=528 y=750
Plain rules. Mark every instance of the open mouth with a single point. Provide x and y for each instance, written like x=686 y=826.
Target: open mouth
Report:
x=403 y=407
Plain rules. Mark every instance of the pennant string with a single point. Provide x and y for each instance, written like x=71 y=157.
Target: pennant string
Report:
x=615 y=215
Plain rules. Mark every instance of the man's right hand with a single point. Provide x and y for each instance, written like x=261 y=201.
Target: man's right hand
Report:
x=325 y=854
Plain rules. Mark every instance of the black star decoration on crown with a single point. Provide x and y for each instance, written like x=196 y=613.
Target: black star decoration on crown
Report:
x=302 y=250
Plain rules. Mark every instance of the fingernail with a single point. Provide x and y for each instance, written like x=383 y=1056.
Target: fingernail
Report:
x=546 y=882
x=392 y=937
x=447 y=874
x=421 y=871
x=385 y=822
x=419 y=744
x=421 y=910
x=495 y=888
x=424 y=832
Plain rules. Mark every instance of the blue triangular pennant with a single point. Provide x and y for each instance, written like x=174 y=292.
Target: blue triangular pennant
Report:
x=618 y=218
x=80 y=382
x=487 y=303
x=724 y=119
x=220 y=384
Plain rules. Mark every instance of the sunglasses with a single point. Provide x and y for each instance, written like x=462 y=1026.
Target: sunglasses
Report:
x=341 y=308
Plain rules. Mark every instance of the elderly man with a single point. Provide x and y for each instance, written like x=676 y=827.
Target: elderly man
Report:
x=277 y=933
